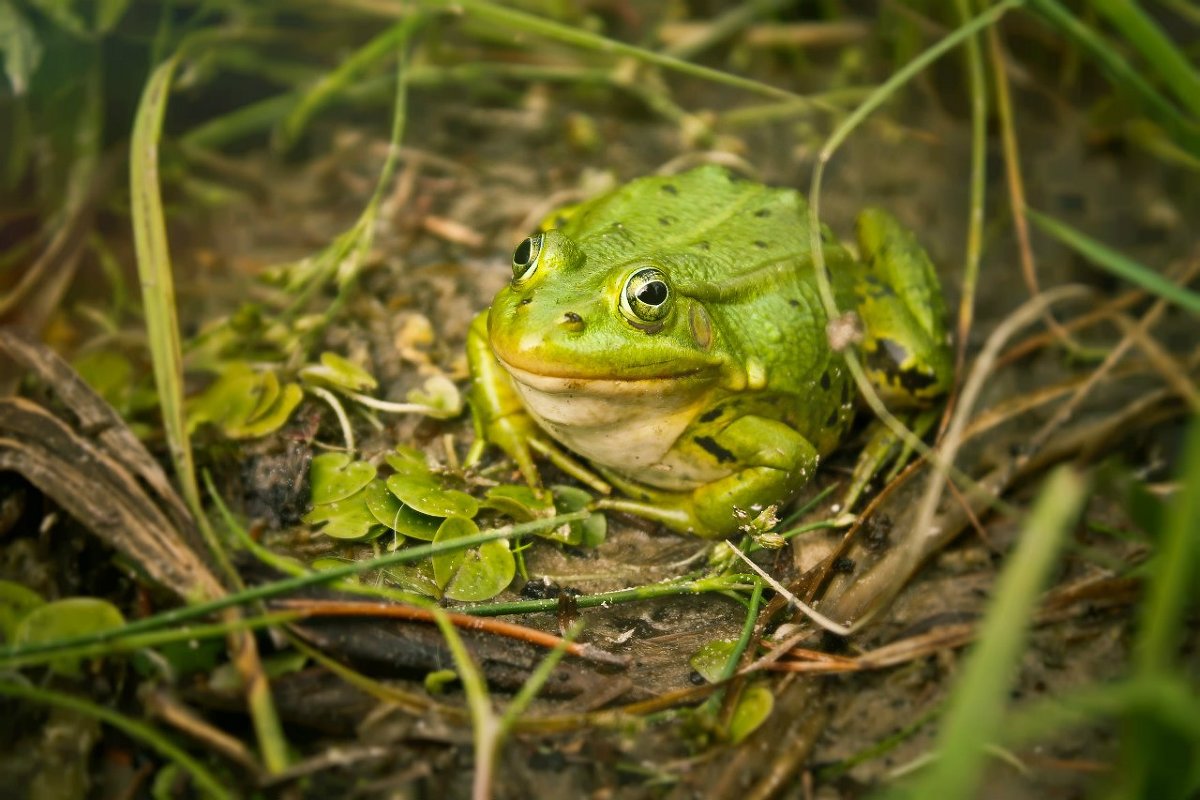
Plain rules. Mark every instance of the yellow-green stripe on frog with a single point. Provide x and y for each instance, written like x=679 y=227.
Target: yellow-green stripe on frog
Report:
x=670 y=333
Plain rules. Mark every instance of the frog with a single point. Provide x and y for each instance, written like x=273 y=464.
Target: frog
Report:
x=670 y=333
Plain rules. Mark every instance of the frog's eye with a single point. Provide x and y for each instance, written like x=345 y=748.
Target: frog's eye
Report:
x=647 y=296
x=525 y=257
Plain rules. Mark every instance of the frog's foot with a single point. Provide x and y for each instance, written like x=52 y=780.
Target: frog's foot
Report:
x=774 y=461
x=883 y=446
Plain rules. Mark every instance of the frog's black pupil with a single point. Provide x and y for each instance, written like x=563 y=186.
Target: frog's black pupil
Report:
x=653 y=293
x=521 y=256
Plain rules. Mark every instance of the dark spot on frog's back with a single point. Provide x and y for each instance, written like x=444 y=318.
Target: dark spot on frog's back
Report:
x=665 y=221
x=702 y=245
x=710 y=415
x=793 y=302
x=760 y=244
x=833 y=419
x=825 y=381
x=715 y=450
x=670 y=188
x=763 y=212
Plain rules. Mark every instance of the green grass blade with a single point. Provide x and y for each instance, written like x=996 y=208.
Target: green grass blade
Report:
x=154 y=273
x=586 y=40
x=1166 y=59
x=1176 y=568
x=1115 y=263
x=973 y=719
x=1166 y=114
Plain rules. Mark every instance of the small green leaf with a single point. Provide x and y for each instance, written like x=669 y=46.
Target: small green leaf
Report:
x=15 y=602
x=441 y=396
x=710 y=659
x=753 y=708
x=338 y=373
x=268 y=393
x=522 y=503
x=475 y=574
x=588 y=532
x=408 y=461
x=389 y=511
x=425 y=494
x=67 y=619
x=229 y=400
x=346 y=519
x=274 y=418
x=417 y=578
x=335 y=476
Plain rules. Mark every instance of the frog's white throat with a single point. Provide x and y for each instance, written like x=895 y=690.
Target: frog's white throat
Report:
x=629 y=426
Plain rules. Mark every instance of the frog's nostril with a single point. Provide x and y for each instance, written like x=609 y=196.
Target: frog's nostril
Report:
x=572 y=321
x=525 y=301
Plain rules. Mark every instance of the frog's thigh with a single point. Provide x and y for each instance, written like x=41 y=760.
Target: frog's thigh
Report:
x=496 y=408
x=774 y=461
x=904 y=349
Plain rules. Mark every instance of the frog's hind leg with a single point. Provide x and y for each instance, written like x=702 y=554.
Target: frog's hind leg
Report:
x=772 y=462
x=905 y=350
x=883 y=446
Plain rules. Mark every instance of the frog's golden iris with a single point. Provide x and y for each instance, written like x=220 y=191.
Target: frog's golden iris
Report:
x=670 y=333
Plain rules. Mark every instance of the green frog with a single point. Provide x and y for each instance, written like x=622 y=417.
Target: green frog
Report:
x=670 y=332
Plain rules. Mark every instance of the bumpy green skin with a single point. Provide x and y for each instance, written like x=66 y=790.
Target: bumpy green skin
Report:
x=726 y=403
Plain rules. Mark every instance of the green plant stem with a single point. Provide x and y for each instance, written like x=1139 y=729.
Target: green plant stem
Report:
x=205 y=780
x=719 y=583
x=287 y=585
x=142 y=641
x=978 y=88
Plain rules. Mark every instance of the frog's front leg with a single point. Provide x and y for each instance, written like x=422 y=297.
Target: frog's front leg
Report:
x=770 y=462
x=501 y=419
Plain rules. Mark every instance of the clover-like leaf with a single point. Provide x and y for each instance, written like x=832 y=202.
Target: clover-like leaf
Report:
x=711 y=658
x=230 y=399
x=408 y=460
x=389 y=511
x=349 y=518
x=273 y=418
x=474 y=574
x=338 y=373
x=587 y=532
x=16 y=601
x=417 y=578
x=244 y=403
x=440 y=396
x=752 y=710
x=336 y=476
x=426 y=494
x=66 y=619
x=522 y=503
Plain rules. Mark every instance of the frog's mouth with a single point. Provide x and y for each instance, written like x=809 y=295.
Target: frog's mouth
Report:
x=638 y=379
x=588 y=414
